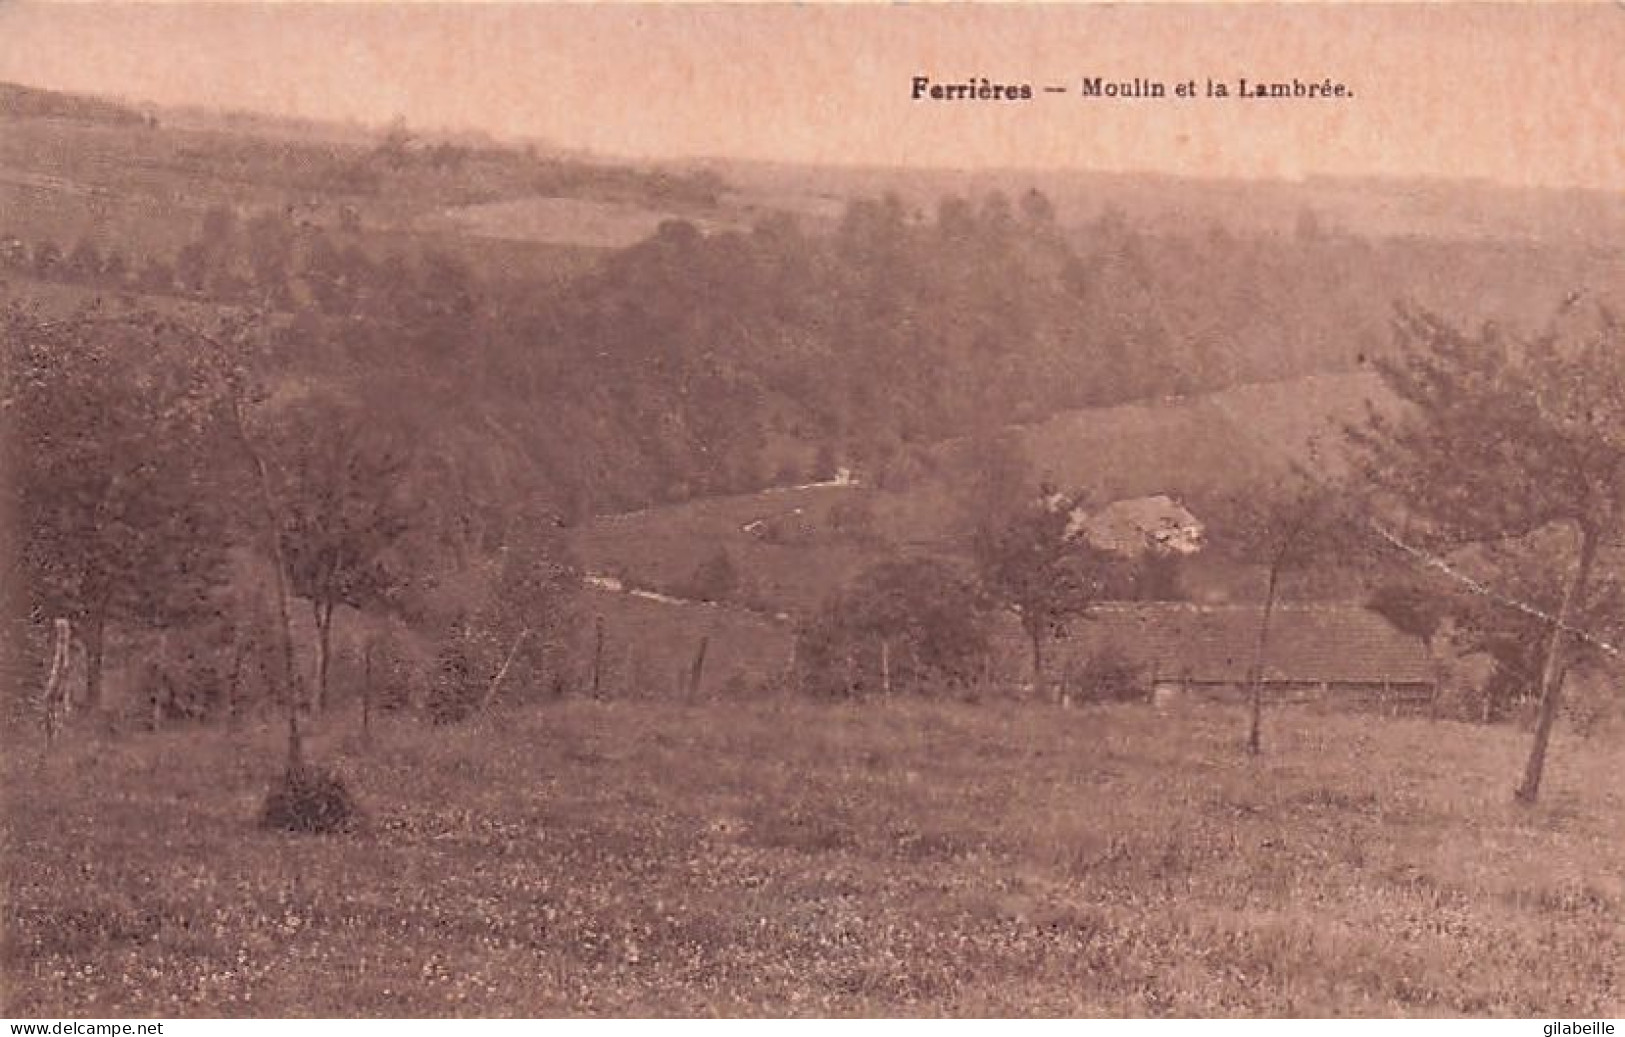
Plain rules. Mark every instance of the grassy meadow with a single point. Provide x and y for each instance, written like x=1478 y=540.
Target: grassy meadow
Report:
x=783 y=857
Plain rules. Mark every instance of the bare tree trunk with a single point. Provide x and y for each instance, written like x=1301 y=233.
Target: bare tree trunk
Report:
x=323 y=612
x=698 y=669
x=290 y=672
x=794 y=672
x=366 y=690
x=273 y=532
x=56 y=681
x=491 y=689
x=1036 y=635
x=1255 y=726
x=160 y=681
x=885 y=665
x=95 y=639
x=238 y=651
x=1554 y=669
x=279 y=563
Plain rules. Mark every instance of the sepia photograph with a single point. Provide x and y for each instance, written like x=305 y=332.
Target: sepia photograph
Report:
x=811 y=511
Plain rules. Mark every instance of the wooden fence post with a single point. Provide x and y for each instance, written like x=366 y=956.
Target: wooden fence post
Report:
x=598 y=655
x=366 y=690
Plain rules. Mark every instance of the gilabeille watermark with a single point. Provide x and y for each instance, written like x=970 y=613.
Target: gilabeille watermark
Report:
x=1592 y=1026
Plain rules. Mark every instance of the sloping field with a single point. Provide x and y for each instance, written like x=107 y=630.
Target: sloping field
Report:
x=662 y=547
x=784 y=858
x=650 y=646
x=1201 y=445
x=1193 y=449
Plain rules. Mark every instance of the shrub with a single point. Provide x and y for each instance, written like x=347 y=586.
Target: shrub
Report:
x=905 y=469
x=1105 y=675
x=47 y=258
x=310 y=800
x=854 y=519
x=1592 y=704
x=457 y=685
x=825 y=463
x=788 y=473
x=715 y=579
x=391 y=670
x=914 y=625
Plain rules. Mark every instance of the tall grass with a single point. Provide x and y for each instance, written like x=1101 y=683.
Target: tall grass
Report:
x=782 y=857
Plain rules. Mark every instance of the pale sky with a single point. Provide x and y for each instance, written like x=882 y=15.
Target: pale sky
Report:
x=1521 y=94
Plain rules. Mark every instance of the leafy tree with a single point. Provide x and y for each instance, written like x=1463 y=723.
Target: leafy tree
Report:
x=115 y=268
x=509 y=616
x=333 y=278
x=1286 y=526
x=715 y=579
x=156 y=276
x=268 y=241
x=47 y=259
x=993 y=477
x=529 y=609
x=910 y=624
x=1496 y=599
x=113 y=434
x=1497 y=436
x=338 y=474
x=233 y=354
x=395 y=149
x=84 y=262
x=1037 y=209
x=1039 y=566
x=825 y=463
x=192 y=267
x=217 y=236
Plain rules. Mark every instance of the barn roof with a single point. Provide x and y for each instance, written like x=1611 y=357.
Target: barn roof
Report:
x=1311 y=643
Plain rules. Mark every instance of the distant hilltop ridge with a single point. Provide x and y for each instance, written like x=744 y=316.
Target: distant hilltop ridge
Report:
x=27 y=102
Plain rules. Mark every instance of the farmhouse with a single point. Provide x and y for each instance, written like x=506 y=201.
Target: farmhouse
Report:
x=1133 y=527
x=1341 y=653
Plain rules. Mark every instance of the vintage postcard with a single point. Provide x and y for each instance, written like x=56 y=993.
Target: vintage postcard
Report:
x=812 y=510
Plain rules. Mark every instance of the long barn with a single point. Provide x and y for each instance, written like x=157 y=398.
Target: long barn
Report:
x=1341 y=653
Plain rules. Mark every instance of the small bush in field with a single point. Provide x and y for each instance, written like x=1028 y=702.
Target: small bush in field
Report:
x=715 y=579
x=309 y=799
x=456 y=686
x=390 y=668
x=1104 y=676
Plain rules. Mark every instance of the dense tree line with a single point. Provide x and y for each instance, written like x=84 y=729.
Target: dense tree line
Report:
x=703 y=351
x=177 y=495
x=415 y=424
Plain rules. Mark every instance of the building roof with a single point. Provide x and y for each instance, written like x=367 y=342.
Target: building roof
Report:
x=1309 y=643
x=1140 y=524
